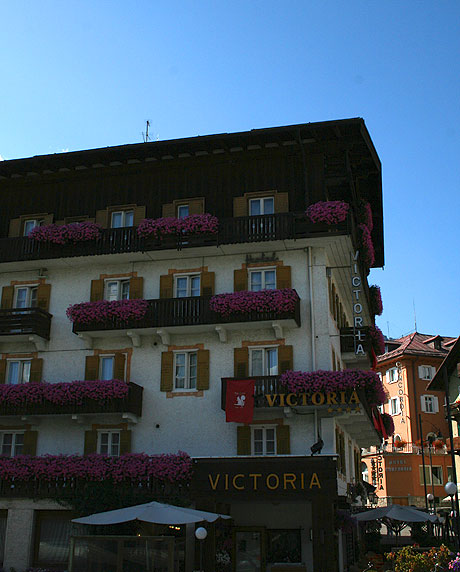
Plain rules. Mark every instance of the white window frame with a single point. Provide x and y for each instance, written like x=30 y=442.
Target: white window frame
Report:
x=392 y=375
x=103 y=357
x=23 y=372
x=111 y=433
x=429 y=403
x=185 y=206
x=31 y=293
x=265 y=366
x=189 y=278
x=124 y=216
x=14 y=445
x=263 y=271
x=265 y=441
x=190 y=381
x=429 y=472
x=35 y=222
x=262 y=207
x=426 y=372
x=395 y=406
x=120 y=283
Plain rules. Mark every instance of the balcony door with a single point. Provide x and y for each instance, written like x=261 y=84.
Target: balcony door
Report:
x=249 y=543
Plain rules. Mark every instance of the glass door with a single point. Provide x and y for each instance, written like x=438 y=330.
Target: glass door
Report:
x=249 y=549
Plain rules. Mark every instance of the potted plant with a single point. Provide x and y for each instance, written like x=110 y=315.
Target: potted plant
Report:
x=399 y=443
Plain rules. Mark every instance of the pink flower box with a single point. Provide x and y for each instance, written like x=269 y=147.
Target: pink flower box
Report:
x=66 y=233
x=280 y=301
x=170 y=226
x=329 y=212
x=103 y=310
x=377 y=340
x=367 y=246
x=375 y=296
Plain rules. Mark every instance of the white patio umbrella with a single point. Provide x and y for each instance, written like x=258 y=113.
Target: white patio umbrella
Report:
x=154 y=512
x=396 y=512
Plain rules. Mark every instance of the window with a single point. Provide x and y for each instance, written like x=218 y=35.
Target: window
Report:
x=182 y=211
x=106 y=367
x=284 y=546
x=122 y=218
x=116 y=290
x=435 y=472
x=185 y=370
x=429 y=403
x=109 y=443
x=395 y=406
x=25 y=297
x=263 y=361
x=264 y=440
x=364 y=472
x=392 y=375
x=426 y=372
x=11 y=444
x=18 y=371
x=31 y=224
x=52 y=539
x=264 y=205
x=187 y=285
x=381 y=408
x=262 y=279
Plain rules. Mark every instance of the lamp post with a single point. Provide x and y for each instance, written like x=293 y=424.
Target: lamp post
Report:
x=430 y=446
x=430 y=499
x=451 y=490
x=201 y=533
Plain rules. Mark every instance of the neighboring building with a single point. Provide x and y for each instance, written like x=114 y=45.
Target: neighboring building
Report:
x=151 y=323
x=396 y=468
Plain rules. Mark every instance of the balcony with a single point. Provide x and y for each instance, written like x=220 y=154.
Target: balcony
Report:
x=24 y=325
x=128 y=406
x=187 y=315
x=263 y=228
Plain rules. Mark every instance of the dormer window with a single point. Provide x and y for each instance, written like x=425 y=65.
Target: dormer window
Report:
x=261 y=206
x=121 y=219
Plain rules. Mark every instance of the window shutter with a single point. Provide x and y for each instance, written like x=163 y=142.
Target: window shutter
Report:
x=7 y=297
x=90 y=442
x=207 y=283
x=241 y=362
x=36 y=367
x=125 y=441
x=43 y=296
x=240 y=206
x=285 y=359
x=283 y=441
x=136 y=288
x=283 y=277
x=243 y=440
x=102 y=218
x=15 y=227
x=30 y=443
x=48 y=218
x=119 y=366
x=92 y=368
x=3 y=370
x=435 y=404
x=281 y=202
x=167 y=364
x=139 y=214
x=196 y=206
x=420 y=371
x=202 y=377
x=169 y=210
x=97 y=290
x=422 y=403
x=240 y=280
x=166 y=286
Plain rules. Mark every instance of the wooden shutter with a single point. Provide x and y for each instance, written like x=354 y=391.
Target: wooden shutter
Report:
x=281 y=202
x=43 y=296
x=283 y=441
x=7 y=297
x=102 y=218
x=202 y=375
x=283 y=277
x=241 y=362
x=92 y=368
x=243 y=440
x=48 y=218
x=240 y=279
x=36 y=367
x=207 y=283
x=30 y=443
x=240 y=206
x=169 y=210
x=167 y=364
x=15 y=227
x=139 y=214
x=136 y=288
x=285 y=359
x=196 y=206
x=90 y=442
x=119 y=366
x=125 y=441
x=3 y=364
x=166 y=286
x=97 y=290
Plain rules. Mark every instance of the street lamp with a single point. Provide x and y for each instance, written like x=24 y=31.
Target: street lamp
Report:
x=451 y=490
x=201 y=533
x=430 y=499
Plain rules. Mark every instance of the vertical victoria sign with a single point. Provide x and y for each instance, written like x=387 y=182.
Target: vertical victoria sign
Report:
x=356 y=288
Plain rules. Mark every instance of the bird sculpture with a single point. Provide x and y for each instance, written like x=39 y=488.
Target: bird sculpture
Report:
x=317 y=447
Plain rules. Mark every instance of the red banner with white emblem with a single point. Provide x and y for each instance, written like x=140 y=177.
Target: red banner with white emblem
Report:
x=239 y=401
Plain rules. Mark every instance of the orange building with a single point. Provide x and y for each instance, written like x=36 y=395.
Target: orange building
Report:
x=396 y=468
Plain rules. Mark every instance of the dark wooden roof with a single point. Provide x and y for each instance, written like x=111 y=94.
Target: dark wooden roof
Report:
x=449 y=364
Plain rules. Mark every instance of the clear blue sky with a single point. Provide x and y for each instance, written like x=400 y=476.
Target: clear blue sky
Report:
x=79 y=75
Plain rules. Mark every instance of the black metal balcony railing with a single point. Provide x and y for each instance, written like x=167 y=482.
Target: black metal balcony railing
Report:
x=348 y=339
x=260 y=228
x=132 y=403
x=264 y=385
x=20 y=321
x=190 y=311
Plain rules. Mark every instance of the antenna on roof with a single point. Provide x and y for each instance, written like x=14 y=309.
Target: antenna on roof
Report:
x=415 y=316
x=146 y=135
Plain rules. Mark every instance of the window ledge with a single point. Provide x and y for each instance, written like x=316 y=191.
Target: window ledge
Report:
x=170 y=394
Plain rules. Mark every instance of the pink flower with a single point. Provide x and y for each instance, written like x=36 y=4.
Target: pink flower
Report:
x=171 y=226
x=376 y=300
x=103 y=310
x=66 y=233
x=278 y=301
x=329 y=212
x=366 y=245
x=377 y=340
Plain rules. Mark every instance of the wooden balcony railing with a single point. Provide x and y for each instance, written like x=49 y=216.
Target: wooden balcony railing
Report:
x=264 y=385
x=282 y=226
x=132 y=403
x=20 y=321
x=190 y=311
